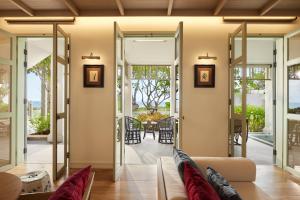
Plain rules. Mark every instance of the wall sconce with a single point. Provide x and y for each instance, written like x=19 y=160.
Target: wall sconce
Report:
x=207 y=57
x=91 y=56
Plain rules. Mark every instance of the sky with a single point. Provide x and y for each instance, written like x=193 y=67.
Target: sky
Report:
x=33 y=87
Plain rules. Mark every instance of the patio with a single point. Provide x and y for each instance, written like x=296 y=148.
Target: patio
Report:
x=147 y=152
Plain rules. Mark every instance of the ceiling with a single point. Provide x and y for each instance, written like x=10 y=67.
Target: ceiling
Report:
x=14 y=8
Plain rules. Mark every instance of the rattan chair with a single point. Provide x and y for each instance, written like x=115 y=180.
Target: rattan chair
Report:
x=133 y=130
x=166 y=130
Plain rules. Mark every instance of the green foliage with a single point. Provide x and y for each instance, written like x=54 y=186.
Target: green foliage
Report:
x=144 y=117
x=42 y=69
x=41 y=124
x=255 y=115
x=167 y=105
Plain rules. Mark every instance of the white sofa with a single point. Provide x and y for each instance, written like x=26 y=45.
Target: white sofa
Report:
x=240 y=172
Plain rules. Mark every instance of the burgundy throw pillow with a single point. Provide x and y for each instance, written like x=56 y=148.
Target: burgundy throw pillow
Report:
x=196 y=186
x=73 y=188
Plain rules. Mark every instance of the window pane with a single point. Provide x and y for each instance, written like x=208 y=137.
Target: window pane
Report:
x=177 y=89
x=293 y=157
x=294 y=47
x=119 y=88
x=237 y=89
x=5 y=141
x=60 y=45
x=5 y=46
x=5 y=84
x=60 y=88
x=294 y=89
x=60 y=144
x=237 y=45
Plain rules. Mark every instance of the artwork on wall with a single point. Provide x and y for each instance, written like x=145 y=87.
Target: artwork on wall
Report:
x=204 y=76
x=93 y=76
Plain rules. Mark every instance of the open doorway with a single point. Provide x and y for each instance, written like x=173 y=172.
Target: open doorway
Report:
x=148 y=98
x=264 y=59
x=37 y=140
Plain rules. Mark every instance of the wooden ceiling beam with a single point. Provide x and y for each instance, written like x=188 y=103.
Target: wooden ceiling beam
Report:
x=72 y=7
x=25 y=8
x=170 y=7
x=120 y=7
x=268 y=6
x=219 y=7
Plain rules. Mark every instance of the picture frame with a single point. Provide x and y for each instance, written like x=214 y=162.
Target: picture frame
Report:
x=204 y=76
x=93 y=76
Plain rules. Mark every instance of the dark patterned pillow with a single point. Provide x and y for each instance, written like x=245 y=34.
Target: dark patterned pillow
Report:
x=180 y=157
x=221 y=185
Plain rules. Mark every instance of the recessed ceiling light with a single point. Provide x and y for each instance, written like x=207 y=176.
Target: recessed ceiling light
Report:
x=149 y=40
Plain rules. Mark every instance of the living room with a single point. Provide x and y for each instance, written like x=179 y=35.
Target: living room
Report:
x=204 y=111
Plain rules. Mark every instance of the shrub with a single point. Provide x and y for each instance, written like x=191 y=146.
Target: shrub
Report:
x=41 y=124
x=151 y=117
x=255 y=115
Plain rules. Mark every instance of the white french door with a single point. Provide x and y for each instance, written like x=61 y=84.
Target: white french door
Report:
x=237 y=137
x=60 y=101
x=176 y=86
x=291 y=119
x=119 y=147
x=7 y=100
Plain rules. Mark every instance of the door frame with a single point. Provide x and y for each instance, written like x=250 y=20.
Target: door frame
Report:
x=128 y=34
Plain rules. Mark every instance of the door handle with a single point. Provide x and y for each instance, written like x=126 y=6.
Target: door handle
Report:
x=182 y=117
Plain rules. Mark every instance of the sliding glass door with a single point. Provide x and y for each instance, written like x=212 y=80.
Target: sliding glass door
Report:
x=60 y=114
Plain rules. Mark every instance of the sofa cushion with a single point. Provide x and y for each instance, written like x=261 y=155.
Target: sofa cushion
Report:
x=180 y=158
x=196 y=186
x=221 y=186
x=232 y=168
x=73 y=188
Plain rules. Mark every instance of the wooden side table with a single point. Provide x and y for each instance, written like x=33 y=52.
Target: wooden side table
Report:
x=149 y=127
x=10 y=186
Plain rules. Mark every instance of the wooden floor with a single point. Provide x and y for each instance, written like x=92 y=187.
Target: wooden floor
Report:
x=138 y=182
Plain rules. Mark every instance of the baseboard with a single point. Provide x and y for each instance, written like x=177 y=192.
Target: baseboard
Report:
x=95 y=165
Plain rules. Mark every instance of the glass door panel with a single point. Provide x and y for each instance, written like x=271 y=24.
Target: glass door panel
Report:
x=59 y=109
x=7 y=100
x=294 y=46
x=119 y=103
x=292 y=103
x=5 y=46
x=238 y=132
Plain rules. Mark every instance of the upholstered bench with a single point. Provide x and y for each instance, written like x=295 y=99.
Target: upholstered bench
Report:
x=240 y=172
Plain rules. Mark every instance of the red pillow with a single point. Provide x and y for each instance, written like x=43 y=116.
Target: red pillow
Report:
x=73 y=188
x=196 y=186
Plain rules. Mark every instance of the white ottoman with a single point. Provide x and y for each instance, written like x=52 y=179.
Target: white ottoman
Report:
x=37 y=181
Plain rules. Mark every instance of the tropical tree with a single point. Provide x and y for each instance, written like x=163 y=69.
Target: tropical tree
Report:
x=42 y=70
x=153 y=84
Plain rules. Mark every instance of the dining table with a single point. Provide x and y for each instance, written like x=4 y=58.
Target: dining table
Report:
x=10 y=186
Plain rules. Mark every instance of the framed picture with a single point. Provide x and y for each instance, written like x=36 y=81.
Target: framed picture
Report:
x=93 y=76
x=204 y=76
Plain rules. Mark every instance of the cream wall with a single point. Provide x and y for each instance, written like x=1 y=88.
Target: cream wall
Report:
x=205 y=110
